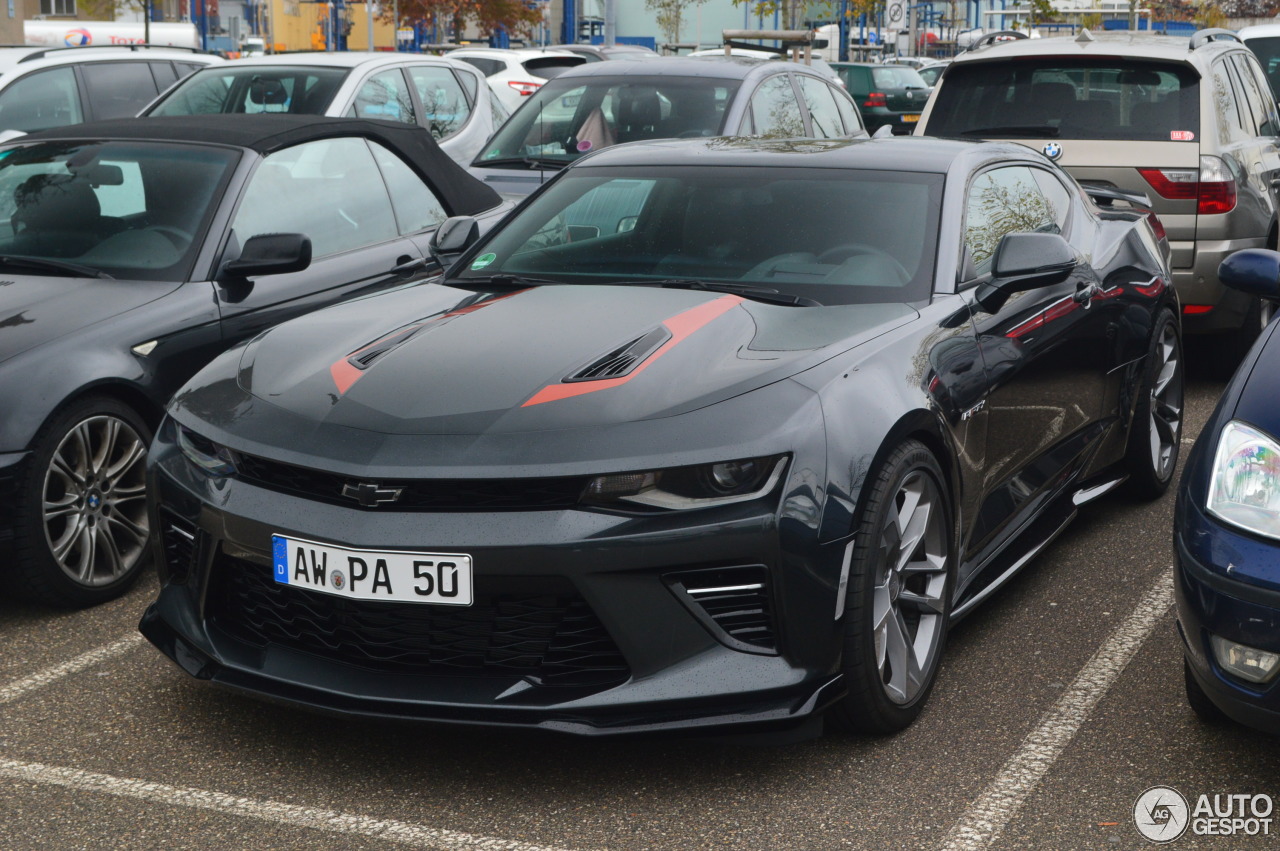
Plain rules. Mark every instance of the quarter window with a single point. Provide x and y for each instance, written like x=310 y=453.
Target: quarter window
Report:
x=824 y=115
x=774 y=111
x=40 y=101
x=118 y=89
x=1232 y=125
x=330 y=190
x=384 y=96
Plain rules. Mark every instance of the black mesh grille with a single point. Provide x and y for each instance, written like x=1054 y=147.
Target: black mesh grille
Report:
x=421 y=494
x=181 y=542
x=545 y=632
x=736 y=600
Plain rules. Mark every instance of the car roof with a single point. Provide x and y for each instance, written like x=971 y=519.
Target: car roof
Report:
x=266 y=133
x=1259 y=31
x=42 y=56
x=1127 y=44
x=904 y=153
x=516 y=53
x=345 y=59
x=715 y=67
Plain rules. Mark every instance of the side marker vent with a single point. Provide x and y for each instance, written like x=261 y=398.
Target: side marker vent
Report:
x=622 y=360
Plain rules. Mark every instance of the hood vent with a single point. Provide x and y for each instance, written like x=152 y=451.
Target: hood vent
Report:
x=624 y=359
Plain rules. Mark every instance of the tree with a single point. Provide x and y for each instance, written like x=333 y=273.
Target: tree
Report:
x=670 y=15
x=514 y=16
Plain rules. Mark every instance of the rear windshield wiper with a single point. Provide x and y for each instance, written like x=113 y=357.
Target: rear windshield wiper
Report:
x=754 y=293
x=527 y=162
x=44 y=265
x=1014 y=130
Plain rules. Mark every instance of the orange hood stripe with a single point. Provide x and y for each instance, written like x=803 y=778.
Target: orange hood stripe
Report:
x=681 y=326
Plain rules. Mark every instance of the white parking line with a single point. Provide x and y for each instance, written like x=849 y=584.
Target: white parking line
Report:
x=273 y=811
x=18 y=688
x=986 y=817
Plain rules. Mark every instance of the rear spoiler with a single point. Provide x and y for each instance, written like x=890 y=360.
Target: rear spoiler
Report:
x=1105 y=196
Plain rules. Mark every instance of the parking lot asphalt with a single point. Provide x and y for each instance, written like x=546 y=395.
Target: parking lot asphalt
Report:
x=1059 y=702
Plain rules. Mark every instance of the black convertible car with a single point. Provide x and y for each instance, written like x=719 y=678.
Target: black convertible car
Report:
x=131 y=253
x=699 y=437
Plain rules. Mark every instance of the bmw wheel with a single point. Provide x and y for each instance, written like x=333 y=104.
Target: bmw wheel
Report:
x=1155 y=437
x=899 y=591
x=82 y=524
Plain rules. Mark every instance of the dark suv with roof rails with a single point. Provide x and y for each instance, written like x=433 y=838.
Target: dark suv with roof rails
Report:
x=1191 y=124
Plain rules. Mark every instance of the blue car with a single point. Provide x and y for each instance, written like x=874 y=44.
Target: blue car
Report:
x=1227 y=530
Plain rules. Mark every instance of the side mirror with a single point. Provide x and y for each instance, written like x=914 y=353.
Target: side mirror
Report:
x=271 y=254
x=454 y=236
x=1254 y=270
x=1027 y=261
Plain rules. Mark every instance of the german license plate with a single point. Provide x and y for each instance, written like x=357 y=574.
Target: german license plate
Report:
x=392 y=575
x=910 y=119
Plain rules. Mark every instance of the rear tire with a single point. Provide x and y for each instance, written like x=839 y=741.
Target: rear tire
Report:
x=81 y=522
x=1155 y=438
x=899 y=594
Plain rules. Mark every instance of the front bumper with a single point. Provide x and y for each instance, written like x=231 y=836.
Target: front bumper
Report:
x=680 y=671
x=1210 y=602
x=12 y=465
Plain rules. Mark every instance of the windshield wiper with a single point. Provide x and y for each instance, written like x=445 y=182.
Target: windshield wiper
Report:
x=528 y=162
x=754 y=293
x=501 y=280
x=1014 y=130
x=45 y=265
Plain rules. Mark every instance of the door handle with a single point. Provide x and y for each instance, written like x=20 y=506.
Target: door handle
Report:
x=405 y=265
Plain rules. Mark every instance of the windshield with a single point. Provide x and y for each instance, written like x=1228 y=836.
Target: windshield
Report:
x=1107 y=98
x=808 y=232
x=130 y=209
x=568 y=118
x=897 y=77
x=274 y=88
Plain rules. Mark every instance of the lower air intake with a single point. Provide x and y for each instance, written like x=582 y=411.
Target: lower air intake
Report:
x=734 y=602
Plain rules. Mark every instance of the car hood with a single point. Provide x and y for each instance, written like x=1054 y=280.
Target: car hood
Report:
x=441 y=360
x=35 y=309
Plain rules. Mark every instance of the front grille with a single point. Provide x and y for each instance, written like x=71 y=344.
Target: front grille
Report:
x=735 y=600
x=544 y=631
x=418 y=494
x=181 y=542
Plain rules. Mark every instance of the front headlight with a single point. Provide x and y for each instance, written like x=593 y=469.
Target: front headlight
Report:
x=701 y=486
x=1245 y=486
x=214 y=459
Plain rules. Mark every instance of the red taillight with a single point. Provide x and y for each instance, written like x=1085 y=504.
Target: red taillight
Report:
x=1196 y=308
x=1156 y=225
x=876 y=99
x=524 y=89
x=1212 y=186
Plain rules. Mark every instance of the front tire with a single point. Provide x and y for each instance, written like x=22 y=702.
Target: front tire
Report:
x=1155 y=438
x=81 y=522
x=899 y=594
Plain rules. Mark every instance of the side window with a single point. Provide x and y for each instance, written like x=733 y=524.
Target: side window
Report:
x=118 y=89
x=1258 y=97
x=824 y=115
x=774 y=111
x=416 y=207
x=848 y=111
x=385 y=96
x=1055 y=195
x=40 y=101
x=1231 y=124
x=498 y=112
x=330 y=190
x=164 y=74
x=1000 y=202
x=185 y=68
x=470 y=83
x=444 y=106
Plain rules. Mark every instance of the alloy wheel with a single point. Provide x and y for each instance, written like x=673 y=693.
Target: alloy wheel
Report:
x=94 y=501
x=908 y=603
x=1165 y=427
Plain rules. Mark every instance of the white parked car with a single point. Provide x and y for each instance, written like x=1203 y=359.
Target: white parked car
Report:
x=448 y=98
x=515 y=74
x=44 y=87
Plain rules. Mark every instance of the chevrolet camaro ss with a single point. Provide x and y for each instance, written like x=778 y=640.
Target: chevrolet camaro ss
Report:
x=699 y=438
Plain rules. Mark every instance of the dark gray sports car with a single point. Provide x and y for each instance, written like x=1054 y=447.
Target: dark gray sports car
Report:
x=698 y=438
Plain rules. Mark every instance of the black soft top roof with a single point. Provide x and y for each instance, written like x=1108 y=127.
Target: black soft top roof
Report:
x=462 y=193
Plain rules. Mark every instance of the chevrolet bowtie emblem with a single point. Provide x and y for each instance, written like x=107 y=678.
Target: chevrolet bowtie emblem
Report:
x=371 y=494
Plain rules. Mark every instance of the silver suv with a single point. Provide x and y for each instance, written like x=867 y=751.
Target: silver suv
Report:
x=1191 y=124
